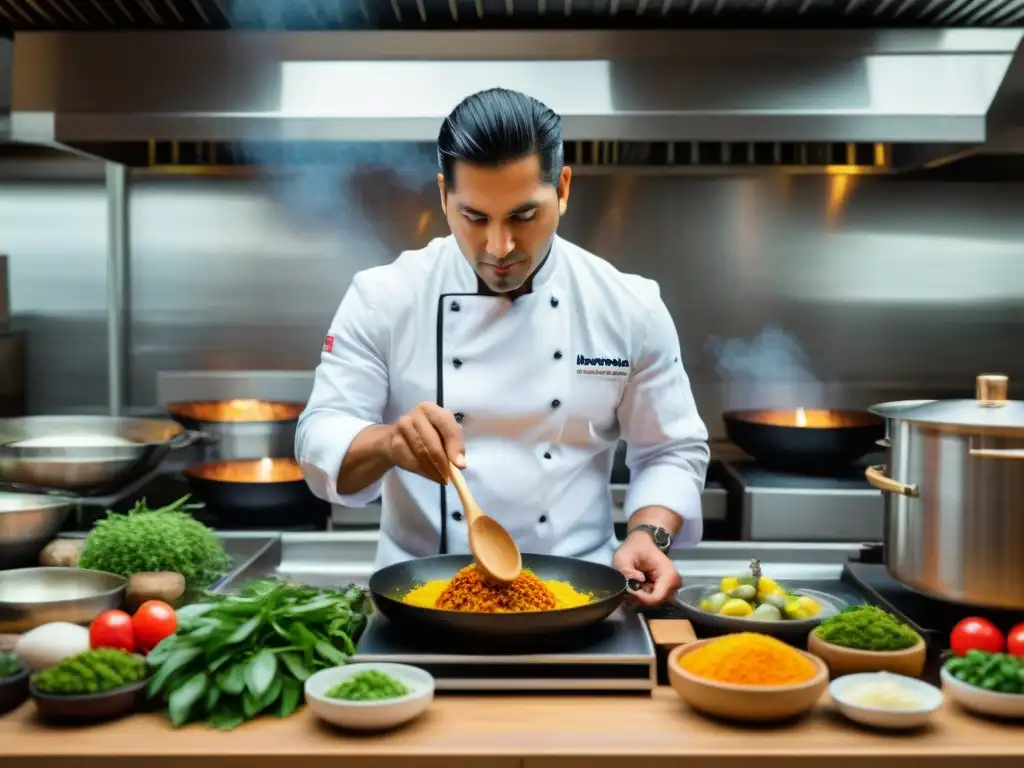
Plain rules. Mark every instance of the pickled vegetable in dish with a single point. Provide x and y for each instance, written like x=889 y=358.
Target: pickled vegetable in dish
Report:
x=758 y=598
x=468 y=591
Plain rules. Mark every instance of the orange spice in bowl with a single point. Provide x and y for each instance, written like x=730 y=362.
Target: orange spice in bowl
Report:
x=748 y=658
x=747 y=677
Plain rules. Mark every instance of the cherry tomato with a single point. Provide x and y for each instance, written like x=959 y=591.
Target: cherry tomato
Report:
x=112 y=629
x=1015 y=640
x=154 y=621
x=974 y=634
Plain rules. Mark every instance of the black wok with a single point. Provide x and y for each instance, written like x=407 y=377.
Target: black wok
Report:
x=390 y=584
x=804 y=439
x=251 y=485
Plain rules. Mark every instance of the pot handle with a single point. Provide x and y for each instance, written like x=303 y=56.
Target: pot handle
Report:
x=877 y=477
x=184 y=439
x=996 y=453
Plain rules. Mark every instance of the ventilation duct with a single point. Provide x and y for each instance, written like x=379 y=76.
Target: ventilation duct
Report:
x=921 y=95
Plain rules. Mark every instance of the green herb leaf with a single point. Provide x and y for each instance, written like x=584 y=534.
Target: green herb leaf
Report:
x=179 y=704
x=232 y=680
x=295 y=666
x=227 y=717
x=331 y=653
x=177 y=660
x=251 y=705
x=244 y=631
x=291 y=697
x=212 y=698
x=259 y=674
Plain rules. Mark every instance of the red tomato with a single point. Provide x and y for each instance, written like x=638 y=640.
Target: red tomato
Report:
x=154 y=621
x=1015 y=640
x=974 y=634
x=112 y=629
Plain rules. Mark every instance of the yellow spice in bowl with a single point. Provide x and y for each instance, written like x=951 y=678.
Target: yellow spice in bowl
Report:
x=748 y=658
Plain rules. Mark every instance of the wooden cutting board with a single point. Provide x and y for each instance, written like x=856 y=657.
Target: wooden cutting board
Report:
x=668 y=634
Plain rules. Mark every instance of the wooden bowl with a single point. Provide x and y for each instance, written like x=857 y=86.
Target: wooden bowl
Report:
x=748 y=703
x=848 y=661
x=107 y=705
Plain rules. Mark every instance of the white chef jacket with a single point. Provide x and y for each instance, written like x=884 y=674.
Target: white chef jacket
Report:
x=543 y=386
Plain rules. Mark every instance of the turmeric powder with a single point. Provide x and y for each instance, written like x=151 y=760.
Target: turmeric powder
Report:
x=748 y=658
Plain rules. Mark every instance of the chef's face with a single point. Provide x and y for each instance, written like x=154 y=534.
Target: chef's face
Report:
x=504 y=218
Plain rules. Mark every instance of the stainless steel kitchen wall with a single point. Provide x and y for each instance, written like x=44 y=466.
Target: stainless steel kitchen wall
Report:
x=891 y=288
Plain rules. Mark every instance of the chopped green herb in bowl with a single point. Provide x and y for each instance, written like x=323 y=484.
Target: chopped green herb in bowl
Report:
x=370 y=685
x=97 y=671
x=10 y=666
x=867 y=628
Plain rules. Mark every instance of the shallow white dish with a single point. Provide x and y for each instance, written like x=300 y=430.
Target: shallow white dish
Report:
x=884 y=717
x=981 y=701
x=370 y=715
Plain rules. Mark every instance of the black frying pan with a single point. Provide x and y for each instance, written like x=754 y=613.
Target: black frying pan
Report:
x=251 y=485
x=390 y=584
x=805 y=440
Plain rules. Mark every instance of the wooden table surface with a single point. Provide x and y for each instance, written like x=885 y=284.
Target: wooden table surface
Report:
x=515 y=731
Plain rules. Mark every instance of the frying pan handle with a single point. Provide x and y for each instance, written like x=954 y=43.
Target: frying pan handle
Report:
x=186 y=438
x=877 y=477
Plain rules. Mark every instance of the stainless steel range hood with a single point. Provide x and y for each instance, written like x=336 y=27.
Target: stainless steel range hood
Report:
x=929 y=90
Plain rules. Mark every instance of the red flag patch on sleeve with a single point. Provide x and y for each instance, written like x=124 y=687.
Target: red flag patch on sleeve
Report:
x=329 y=344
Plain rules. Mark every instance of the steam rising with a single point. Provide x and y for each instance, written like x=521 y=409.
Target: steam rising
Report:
x=283 y=14
x=770 y=371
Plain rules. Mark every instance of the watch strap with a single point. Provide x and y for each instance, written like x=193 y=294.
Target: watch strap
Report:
x=662 y=538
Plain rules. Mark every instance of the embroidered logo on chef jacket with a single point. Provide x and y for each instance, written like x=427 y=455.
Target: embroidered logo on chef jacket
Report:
x=601 y=366
x=329 y=344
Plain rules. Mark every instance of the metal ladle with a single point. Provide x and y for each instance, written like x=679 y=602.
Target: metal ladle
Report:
x=493 y=548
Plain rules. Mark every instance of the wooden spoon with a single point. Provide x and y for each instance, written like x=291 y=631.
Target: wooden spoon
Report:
x=493 y=548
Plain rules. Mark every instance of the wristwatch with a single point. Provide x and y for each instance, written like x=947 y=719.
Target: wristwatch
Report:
x=662 y=538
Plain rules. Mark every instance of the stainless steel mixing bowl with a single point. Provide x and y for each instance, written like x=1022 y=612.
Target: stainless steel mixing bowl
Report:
x=28 y=523
x=80 y=453
x=31 y=597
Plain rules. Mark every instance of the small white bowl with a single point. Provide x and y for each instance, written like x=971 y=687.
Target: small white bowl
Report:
x=370 y=715
x=884 y=717
x=1009 y=705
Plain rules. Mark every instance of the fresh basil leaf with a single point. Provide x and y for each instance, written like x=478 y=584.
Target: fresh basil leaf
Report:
x=291 y=697
x=212 y=698
x=272 y=693
x=194 y=611
x=295 y=666
x=331 y=653
x=302 y=636
x=260 y=672
x=226 y=717
x=311 y=607
x=179 y=703
x=232 y=679
x=174 y=662
x=243 y=632
x=250 y=704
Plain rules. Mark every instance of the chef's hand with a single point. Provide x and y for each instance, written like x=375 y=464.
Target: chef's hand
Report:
x=424 y=440
x=640 y=560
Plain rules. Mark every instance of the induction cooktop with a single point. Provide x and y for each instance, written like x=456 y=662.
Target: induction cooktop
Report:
x=616 y=654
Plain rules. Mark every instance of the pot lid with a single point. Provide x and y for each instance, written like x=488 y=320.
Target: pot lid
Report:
x=888 y=410
x=988 y=410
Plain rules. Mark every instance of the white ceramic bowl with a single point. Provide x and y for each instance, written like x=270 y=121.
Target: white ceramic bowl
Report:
x=370 y=715
x=883 y=717
x=981 y=701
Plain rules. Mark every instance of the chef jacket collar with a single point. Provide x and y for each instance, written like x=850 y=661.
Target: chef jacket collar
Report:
x=540 y=277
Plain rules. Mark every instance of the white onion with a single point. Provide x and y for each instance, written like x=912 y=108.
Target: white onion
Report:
x=50 y=644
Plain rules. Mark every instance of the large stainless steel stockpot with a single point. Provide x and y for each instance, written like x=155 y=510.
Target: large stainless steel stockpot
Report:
x=954 y=492
x=241 y=429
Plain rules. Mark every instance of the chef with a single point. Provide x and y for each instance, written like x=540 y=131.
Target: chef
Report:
x=519 y=357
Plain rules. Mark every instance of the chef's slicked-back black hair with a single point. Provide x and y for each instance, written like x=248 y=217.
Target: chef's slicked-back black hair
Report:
x=498 y=126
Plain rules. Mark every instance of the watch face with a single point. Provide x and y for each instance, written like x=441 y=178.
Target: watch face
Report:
x=661 y=538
